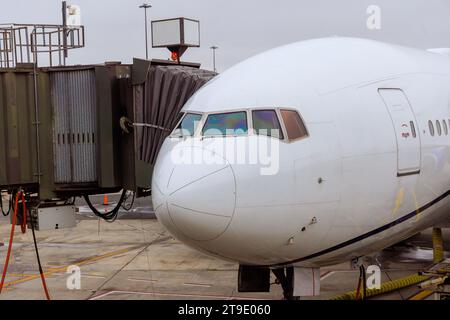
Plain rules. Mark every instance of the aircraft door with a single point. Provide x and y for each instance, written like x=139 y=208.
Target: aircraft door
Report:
x=406 y=131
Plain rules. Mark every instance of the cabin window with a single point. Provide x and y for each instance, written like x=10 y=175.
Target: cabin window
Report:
x=295 y=128
x=444 y=124
x=225 y=124
x=265 y=122
x=188 y=125
x=431 y=127
x=438 y=127
x=413 y=129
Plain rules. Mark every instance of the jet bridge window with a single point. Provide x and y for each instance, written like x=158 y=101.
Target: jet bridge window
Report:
x=188 y=125
x=295 y=127
x=226 y=124
x=265 y=122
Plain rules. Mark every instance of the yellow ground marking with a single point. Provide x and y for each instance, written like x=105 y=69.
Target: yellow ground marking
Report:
x=51 y=271
x=19 y=275
x=422 y=295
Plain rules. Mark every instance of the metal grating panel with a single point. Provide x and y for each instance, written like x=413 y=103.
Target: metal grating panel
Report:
x=75 y=126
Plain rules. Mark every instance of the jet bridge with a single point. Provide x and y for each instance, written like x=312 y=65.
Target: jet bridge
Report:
x=60 y=127
x=75 y=131
x=69 y=131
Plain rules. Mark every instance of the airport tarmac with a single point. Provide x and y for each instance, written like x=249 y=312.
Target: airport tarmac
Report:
x=135 y=258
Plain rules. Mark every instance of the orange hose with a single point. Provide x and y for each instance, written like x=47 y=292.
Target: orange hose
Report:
x=44 y=285
x=11 y=237
x=23 y=227
x=358 y=289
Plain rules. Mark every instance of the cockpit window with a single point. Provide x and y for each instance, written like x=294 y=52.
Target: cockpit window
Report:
x=265 y=122
x=295 y=127
x=222 y=124
x=188 y=125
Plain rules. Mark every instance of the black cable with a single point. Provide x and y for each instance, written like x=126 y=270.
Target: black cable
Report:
x=41 y=271
x=110 y=216
x=364 y=280
x=35 y=242
x=10 y=201
x=131 y=204
x=71 y=201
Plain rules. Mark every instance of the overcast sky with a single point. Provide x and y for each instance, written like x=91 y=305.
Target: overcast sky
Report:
x=240 y=28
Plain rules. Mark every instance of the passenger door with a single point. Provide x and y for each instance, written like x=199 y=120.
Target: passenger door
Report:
x=406 y=131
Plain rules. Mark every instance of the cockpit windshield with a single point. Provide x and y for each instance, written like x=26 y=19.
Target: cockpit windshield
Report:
x=225 y=124
x=265 y=122
x=188 y=125
x=283 y=124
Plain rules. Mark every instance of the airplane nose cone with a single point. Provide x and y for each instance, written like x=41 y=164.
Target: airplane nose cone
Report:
x=196 y=199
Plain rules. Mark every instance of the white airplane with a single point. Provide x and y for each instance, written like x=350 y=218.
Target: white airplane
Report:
x=363 y=152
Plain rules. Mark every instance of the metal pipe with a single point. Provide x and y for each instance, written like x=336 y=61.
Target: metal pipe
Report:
x=37 y=118
x=64 y=17
x=146 y=35
x=438 y=245
x=214 y=48
x=146 y=6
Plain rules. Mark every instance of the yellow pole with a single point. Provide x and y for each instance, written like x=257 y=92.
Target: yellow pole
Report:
x=438 y=245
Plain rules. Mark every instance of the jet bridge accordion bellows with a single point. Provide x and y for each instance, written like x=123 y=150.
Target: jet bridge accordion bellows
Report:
x=159 y=102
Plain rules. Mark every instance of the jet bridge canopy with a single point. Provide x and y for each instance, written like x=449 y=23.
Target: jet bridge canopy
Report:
x=160 y=90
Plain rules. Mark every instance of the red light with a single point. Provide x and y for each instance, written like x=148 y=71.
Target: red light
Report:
x=174 y=56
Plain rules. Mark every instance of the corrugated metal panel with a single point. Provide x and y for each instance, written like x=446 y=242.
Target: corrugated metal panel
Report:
x=75 y=126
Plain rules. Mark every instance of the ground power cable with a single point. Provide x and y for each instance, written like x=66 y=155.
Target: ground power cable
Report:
x=41 y=271
x=10 y=204
x=11 y=236
x=110 y=216
x=130 y=206
x=361 y=290
x=23 y=226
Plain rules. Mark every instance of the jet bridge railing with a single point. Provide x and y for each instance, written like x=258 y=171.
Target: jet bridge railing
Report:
x=32 y=43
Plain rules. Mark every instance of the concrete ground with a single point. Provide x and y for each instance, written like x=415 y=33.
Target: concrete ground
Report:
x=135 y=258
